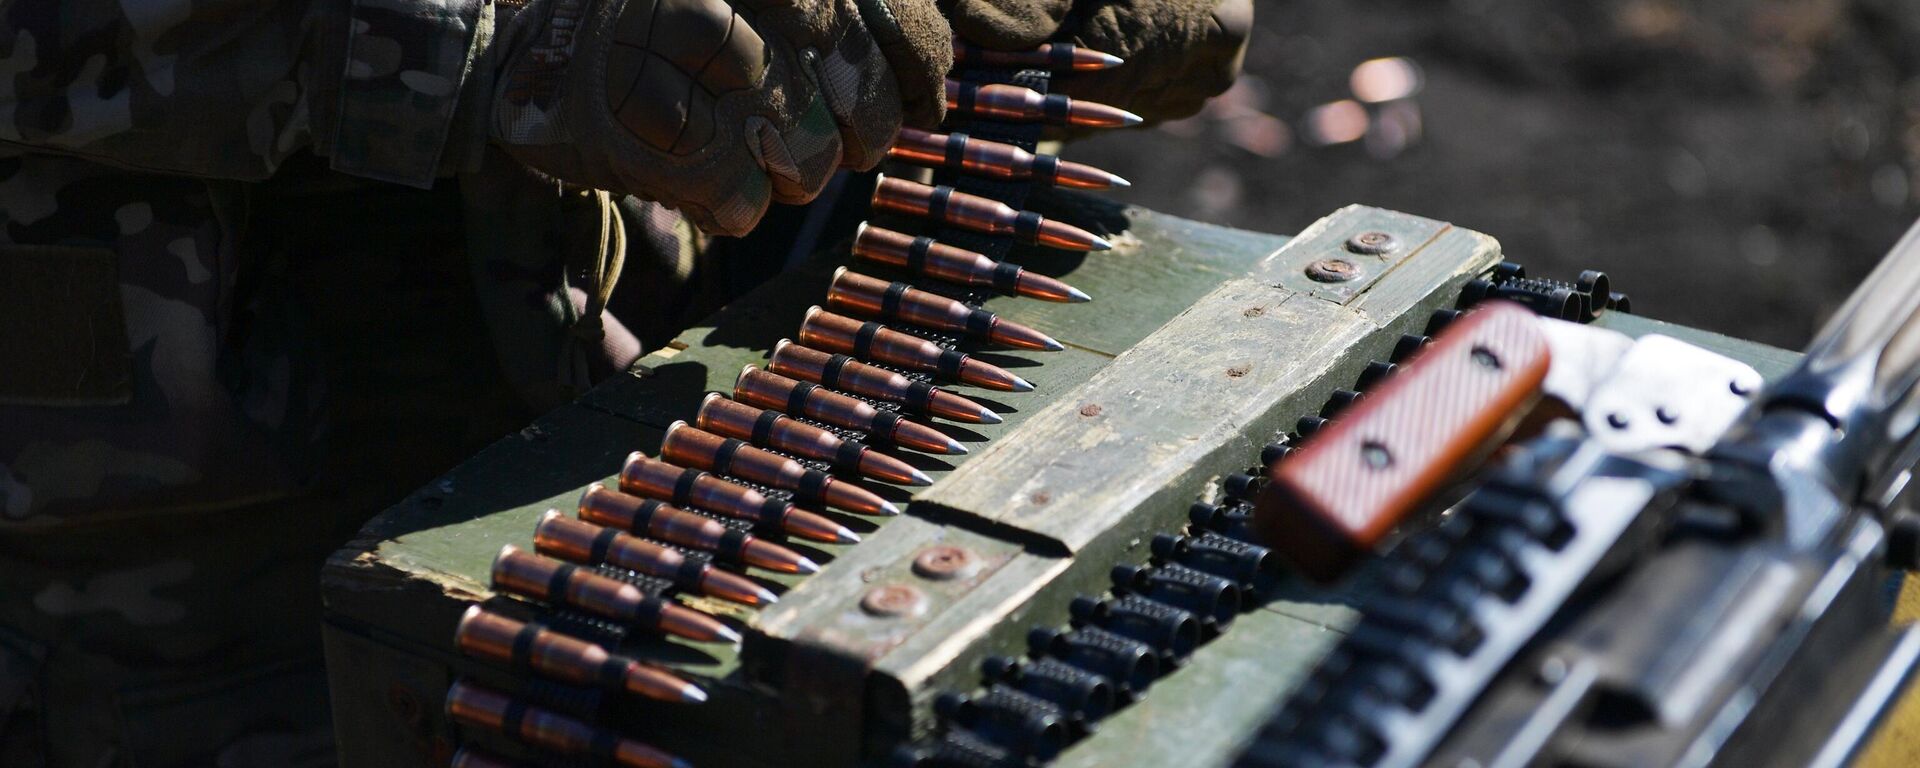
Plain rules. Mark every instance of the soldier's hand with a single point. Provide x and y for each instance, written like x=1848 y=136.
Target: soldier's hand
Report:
x=715 y=107
x=1178 y=53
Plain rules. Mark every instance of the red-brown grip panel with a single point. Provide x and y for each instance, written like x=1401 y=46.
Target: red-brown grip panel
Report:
x=1335 y=499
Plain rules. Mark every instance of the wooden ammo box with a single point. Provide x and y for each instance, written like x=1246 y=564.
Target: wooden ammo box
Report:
x=1202 y=343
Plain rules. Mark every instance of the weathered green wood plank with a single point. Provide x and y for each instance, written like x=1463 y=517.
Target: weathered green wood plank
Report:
x=1084 y=484
x=1197 y=384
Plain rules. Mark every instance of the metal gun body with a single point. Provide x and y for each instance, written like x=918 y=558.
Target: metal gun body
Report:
x=1729 y=613
x=1755 y=634
x=1545 y=524
x=1712 y=652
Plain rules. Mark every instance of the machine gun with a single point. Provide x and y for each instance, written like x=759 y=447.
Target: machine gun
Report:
x=1588 y=607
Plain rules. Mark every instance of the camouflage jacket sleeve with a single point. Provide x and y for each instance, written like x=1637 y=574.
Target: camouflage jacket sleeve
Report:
x=230 y=88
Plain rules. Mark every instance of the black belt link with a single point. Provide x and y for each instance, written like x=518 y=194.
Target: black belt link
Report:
x=557 y=583
x=763 y=427
x=956 y=149
x=723 y=458
x=683 y=486
x=602 y=542
x=863 y=338
x=830 y=373
x=797 y=399
x=847 y=456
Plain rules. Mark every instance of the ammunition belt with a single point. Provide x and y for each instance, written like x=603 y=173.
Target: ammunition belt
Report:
x=585 y=713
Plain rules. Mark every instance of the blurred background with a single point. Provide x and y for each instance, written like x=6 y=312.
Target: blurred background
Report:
x=1736 y=165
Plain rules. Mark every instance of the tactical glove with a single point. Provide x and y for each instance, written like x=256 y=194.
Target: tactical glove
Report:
x=714 y=107
x=1178 y=53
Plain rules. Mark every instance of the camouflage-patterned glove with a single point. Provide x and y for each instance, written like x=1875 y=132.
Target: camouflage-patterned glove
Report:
x=1179 y=52
x=710 y=107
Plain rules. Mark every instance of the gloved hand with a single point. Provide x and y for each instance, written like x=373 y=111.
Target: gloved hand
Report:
x=1178 y=53
x=712 y=108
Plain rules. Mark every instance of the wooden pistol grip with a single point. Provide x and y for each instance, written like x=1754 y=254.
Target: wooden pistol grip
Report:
x=1337 y=497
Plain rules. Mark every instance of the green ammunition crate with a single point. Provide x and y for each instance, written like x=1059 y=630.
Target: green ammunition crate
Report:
x=1202 y=342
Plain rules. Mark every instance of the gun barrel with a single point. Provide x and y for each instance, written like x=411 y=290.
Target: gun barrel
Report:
x=1840 y=431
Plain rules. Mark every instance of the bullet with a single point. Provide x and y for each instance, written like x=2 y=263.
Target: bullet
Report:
x=846 y=374
x=872 y=341
x=684 y=487
x=992 y=159
x=690 y=446
x=926 y=256
x=980 y=214
x=528 y=575
x=1017 y=104
x=519 y=644
x=766 y=389
x=863 y=295
x=776 y=430
x=481 y=707
x=1058 y=57
x=655 y=519
x=590 y=544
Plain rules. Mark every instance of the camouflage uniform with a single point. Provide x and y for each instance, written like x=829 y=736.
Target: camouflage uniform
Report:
x=238 y=315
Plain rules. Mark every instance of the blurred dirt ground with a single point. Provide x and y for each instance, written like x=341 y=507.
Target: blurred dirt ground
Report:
x=1736 y=165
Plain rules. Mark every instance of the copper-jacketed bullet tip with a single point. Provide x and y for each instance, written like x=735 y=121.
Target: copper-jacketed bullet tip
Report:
x=693 y=695
x=955 y=448
x=1022 y=385
x=694 y=625
x=1129 y=118
x=805 y=566
x=879 y=465
x=921 y=437
x=1016 y=335
x=1099 y=243
x=1041 y=286
x=846 y=496
x=732 y=586
x=1118 y=181
x=888 y=509
x=847 y=536
x=1054 y=56
x=948 y=405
